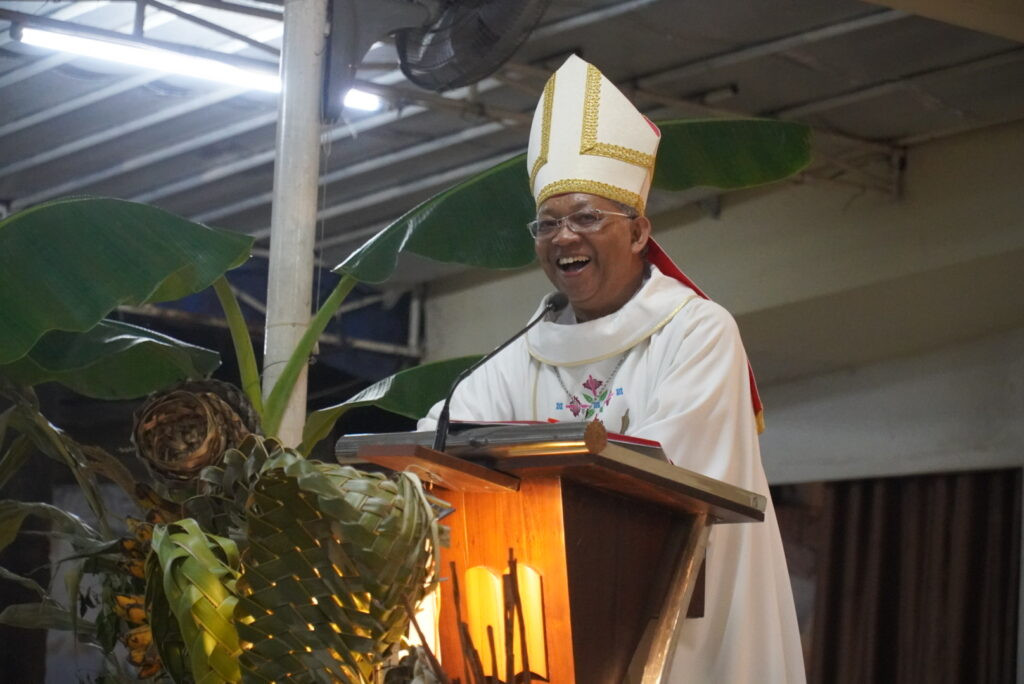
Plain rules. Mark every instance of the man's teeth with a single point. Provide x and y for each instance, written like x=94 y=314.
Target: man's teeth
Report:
x=565 y=261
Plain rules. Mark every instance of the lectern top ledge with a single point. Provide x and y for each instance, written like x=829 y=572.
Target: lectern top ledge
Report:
x=580 y=452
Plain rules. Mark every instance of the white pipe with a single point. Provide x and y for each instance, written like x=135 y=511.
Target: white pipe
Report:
x=1020 y=602
x=415 y=318
x=293 y=212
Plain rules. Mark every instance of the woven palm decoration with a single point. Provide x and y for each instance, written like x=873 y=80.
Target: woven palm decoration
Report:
x=333 y=557
x=197 y=572
x=180 y=431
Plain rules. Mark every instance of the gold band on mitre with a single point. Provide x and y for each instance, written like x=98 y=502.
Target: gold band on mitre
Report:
x=588 y=137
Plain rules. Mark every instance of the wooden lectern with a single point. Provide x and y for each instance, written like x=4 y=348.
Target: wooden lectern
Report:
x=616 y=534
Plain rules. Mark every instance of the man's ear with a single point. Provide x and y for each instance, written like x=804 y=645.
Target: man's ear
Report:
x=641 y=232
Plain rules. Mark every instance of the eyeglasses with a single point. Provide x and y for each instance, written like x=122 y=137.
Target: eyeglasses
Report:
x=582 y=221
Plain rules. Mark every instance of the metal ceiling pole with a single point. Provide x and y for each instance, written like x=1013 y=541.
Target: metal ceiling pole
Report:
x=293 y=212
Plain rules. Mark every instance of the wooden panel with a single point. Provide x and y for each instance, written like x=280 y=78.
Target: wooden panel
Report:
x=665 y=636
x=638 y=476
x=484 y=527
x=618 y=550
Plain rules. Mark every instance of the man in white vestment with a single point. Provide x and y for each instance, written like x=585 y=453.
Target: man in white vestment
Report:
x=641 y=349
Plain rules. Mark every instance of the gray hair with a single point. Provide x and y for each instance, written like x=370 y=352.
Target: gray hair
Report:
x=625 y=208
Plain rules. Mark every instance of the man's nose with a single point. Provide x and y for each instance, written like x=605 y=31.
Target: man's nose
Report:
x=564 y=234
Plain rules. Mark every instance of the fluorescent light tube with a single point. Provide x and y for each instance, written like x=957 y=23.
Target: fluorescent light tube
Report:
x=359 y=99
x=155 y=59
x=177 y=63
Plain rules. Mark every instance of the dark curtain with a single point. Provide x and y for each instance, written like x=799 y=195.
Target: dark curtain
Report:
x=918 y=580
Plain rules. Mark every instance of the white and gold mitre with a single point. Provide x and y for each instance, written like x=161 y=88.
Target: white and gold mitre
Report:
x=587 y=137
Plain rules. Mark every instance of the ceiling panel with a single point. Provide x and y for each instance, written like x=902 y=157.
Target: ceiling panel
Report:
x=873 y=76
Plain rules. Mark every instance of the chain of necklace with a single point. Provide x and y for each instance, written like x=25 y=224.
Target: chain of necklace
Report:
x=608 y=382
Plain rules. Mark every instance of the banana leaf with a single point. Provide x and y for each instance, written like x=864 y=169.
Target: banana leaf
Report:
x=482 y=221
x=729 y=154
x=408 y=393
x=66 y=264
x=479 y=222
x=112 y=360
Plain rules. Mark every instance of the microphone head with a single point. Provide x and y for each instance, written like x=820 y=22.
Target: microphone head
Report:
x=557 y=301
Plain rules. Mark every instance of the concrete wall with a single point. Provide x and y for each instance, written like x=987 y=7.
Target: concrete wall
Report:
x=886 y=333
x=958 y=408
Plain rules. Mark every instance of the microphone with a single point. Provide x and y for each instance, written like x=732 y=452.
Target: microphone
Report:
x=556 y=301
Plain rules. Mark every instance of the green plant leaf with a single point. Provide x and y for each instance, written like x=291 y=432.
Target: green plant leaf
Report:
x=14 y=457
x=112 y=360
x=66 y=264
x=482 y=221
x=248 y=371
x=26 y=582
x=729 y=153
x=5 y=419
x=281 y=392
x=44 y=616
x=479 y=222
x=409 y=393
x=13 y=514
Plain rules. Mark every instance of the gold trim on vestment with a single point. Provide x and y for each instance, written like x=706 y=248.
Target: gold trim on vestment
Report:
x=545 y=131
x=620 y=350
x=588 y=138
x=591 y=187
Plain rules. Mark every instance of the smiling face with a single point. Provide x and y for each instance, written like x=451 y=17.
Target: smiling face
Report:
x=598 y=271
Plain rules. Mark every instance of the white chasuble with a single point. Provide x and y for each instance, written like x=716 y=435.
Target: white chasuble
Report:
x=668 y=366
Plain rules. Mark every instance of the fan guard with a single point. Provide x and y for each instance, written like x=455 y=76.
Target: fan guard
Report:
x=468 y=42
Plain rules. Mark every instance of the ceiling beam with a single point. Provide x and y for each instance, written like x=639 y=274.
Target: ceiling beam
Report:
x=584 y=19
x=902 y=83
x=114 y=132
x=999 y=17
x=697 y=108
x=373 y=164
x=142 y=161
x=399 y=191
x=193 y=181
x=249 y=10
x=339 y=132
x=217 y=28
x=748 y=53
x=75 y=103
